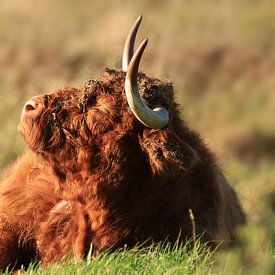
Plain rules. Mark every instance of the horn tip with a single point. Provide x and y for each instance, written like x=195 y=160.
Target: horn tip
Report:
x=139 y=18
x=145 y=42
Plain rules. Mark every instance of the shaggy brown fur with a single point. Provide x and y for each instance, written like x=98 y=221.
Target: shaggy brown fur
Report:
x=96 y=175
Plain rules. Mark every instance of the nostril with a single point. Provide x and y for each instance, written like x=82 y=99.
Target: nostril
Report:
x=30 y=106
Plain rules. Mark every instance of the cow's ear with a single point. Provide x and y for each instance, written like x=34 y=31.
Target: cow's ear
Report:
x=166 y=152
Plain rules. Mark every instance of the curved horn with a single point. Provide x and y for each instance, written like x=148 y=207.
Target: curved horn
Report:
x=156 y=118
x=129 y=45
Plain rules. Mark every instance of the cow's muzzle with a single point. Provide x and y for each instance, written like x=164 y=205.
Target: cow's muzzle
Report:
x=32 y=107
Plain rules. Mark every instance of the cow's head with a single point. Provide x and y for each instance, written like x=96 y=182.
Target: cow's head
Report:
x=120 y=121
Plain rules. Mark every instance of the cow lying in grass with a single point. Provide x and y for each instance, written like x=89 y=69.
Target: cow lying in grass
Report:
x=110 y=164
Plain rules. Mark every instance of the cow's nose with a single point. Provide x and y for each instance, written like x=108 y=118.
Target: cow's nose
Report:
x=31 y=105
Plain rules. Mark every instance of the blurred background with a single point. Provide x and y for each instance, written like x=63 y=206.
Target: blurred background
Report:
x=220 y=56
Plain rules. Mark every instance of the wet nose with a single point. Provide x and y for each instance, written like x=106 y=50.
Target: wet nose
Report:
x=31 y=105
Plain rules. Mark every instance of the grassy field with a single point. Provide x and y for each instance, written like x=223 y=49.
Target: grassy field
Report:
x=220 y=56
x=159 y=259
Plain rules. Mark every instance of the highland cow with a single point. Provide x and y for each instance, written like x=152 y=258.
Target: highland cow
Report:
x=110 y=165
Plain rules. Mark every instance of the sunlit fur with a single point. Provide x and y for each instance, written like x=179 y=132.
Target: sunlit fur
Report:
x=95 y=175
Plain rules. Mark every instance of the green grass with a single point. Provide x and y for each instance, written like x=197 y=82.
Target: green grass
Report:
x=157 y=259
x=249 y=257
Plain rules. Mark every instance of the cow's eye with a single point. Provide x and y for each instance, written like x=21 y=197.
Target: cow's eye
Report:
x=91 y=100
